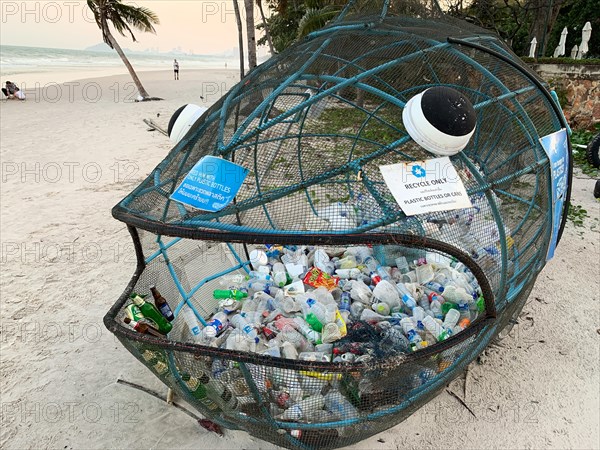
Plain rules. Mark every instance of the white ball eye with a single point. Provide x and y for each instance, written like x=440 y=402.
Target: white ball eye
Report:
x=440 y=119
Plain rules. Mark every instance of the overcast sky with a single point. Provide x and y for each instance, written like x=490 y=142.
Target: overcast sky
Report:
x=200 y=26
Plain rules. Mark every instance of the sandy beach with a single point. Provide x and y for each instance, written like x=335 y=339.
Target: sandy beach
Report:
x=72 y=151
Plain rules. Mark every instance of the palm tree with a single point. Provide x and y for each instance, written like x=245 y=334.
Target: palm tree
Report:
x=238 y=19
x=123 y=18
x=251 y=33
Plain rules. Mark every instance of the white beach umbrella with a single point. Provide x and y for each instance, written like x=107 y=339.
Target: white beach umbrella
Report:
x=574 y=51
x=532 y=47
x=586 y=33
x=560 y=49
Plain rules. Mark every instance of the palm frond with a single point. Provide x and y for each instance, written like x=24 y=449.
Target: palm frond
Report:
x=316 y=18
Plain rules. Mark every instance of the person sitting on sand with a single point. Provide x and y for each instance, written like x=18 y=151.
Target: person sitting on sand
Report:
x=12 y=91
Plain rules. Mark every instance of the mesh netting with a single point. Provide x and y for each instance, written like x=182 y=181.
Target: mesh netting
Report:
x=313 y=125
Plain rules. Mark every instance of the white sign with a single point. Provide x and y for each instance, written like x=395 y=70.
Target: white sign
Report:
x=426 y=186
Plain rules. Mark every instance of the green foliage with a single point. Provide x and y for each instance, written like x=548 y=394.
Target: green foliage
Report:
x=577 y=215
x=566 y=61
x=283 y=23
x=123 y=17
x=335 y=120
x=573 y=15
x=584 y=137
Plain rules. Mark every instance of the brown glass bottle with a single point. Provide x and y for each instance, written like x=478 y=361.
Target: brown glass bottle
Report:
x=162 y=304
x=141 y=327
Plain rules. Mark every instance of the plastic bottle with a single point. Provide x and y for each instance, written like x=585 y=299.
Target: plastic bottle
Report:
x=191 y=321
x=371 y=316
x=447 y=306
x=250 y=305
x=289 y=351
x=387 y=293
x=345 y=302
x=436 y=309
x=348 y=262
x=322 y=261
x=432 y=296
x=304 y=408
x=411 y=333
x=258 y=275
x=289 y=334
x=340 y=406
x=229 y=293
x=279 y=274
x=402 y=265
x=150 y=312
x=464 y=310
x=323 y=296
x=433 y=286
x=240 y=323
x=435 y=329
x=406 y=296
x=424 y=273
x=456 y=294
x=310 y=334
x=232 y=280
x=258 y=258
x=451 y=319
x=381 y=308
x=348 y=273
x=311 y=306
x=356 y=309
x=218 y=392
x=384 y=274
x=423 y=302
x=418 y=316
x=256 y=285
x=409 y=277
x=216 y=325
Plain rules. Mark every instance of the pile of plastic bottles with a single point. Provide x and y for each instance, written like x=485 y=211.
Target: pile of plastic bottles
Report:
x=313 y=304
x=341 y=305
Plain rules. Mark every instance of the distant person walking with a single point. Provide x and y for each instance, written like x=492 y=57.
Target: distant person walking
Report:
x=176 y=69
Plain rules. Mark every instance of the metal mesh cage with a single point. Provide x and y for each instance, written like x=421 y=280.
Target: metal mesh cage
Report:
x=313 y=125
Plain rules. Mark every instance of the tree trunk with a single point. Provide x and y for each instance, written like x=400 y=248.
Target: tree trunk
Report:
x=266 y=27
x=545 y=13
x=251 y=33
x=240 y=36
x=136 y=80
x=360 y=98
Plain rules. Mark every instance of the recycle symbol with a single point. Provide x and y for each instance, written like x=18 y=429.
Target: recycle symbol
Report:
x=418 y=171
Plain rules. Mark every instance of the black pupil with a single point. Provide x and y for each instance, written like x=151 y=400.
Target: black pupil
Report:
x=448 y=111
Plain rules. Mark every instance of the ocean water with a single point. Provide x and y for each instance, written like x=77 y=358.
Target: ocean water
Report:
x=15 y=60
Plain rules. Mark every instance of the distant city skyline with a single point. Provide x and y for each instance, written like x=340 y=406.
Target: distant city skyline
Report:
x=194 y=26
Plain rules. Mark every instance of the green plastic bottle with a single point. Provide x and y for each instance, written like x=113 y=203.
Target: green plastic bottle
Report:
x=151 y=312
x=480 y=304
x=230 y=293
x=447 y=306
x=314 y=323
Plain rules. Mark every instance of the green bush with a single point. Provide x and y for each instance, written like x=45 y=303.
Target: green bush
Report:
x=569 y=61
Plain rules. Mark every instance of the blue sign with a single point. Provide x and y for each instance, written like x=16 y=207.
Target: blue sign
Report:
x=211 y=185
x=556 y=146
